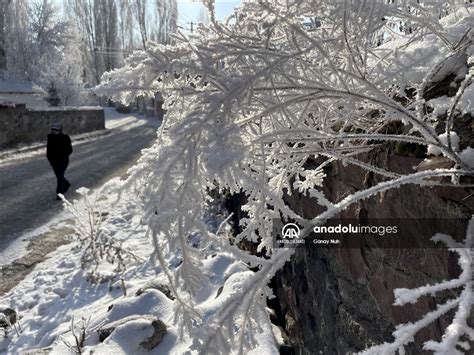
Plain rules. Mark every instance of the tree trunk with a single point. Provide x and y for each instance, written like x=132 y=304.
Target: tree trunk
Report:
x=3 y=57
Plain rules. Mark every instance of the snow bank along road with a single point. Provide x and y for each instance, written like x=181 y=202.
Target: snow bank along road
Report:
x=27 y=187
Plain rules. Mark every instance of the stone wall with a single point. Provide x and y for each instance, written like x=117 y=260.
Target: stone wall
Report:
x=339 y=301
x=19 y=125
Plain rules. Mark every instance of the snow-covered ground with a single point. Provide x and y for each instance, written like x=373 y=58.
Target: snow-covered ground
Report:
x=60 y=292
x=18 y=247
x=114 y=119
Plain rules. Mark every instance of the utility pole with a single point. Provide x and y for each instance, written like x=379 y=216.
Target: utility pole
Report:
x=191 y=26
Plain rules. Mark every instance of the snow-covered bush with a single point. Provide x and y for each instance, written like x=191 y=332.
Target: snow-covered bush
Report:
x=252 y=101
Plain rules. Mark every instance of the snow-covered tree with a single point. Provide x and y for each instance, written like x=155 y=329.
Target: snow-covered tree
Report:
x=251 y=101
x=66 y=75
x=42 y=47
x=111 y=29
x=459 y=333
x=48 y=31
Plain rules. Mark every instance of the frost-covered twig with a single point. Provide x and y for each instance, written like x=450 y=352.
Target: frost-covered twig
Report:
x=79 y=332
x=451 y=342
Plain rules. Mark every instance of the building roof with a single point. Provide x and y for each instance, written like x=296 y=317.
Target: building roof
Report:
x=28 y=99
x=15 y=92
x=19 y=87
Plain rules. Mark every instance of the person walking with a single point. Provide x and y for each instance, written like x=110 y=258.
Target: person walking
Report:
x=58 y=150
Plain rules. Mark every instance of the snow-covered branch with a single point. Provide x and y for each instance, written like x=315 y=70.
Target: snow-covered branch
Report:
x=251 y=101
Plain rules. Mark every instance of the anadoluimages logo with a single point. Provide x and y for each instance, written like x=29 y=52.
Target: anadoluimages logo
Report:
x=290 y=231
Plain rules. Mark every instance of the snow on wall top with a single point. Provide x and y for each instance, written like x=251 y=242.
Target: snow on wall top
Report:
x=18 y=87
x=31 y=100
x=71 y=108
x=4 y=101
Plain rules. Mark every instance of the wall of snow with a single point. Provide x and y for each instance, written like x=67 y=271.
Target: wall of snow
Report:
x=19 y=125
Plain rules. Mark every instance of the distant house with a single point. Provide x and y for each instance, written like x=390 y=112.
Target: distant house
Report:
x=13 y=93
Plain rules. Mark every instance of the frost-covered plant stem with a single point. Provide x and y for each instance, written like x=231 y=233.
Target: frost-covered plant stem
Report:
x=96 y=241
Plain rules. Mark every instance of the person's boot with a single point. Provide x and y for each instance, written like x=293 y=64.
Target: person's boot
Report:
x=67 y=185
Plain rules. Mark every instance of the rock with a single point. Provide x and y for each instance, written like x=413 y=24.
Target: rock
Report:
x=410 y=150
x=8 y=317
x=158 y=334
x=108 y=328
x=149 y=343
x=153 y=284
x=435 y=163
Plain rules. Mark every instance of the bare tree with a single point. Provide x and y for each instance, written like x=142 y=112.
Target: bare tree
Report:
x=98 y=23
x=83 y=12
x=167 y=17
x=20 y=51
x=125 y=24
x=140 y=14
x=105 y=16
x=164 y=13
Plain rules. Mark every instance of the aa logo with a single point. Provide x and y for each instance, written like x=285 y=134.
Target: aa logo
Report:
x=290 y=231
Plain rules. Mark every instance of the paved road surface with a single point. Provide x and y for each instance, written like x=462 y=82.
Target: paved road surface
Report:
x=27 y=187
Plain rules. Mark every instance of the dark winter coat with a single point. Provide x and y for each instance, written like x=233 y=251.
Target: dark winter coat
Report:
x=59 y=148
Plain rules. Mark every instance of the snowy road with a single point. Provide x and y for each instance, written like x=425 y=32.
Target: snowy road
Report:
x=27 y=187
